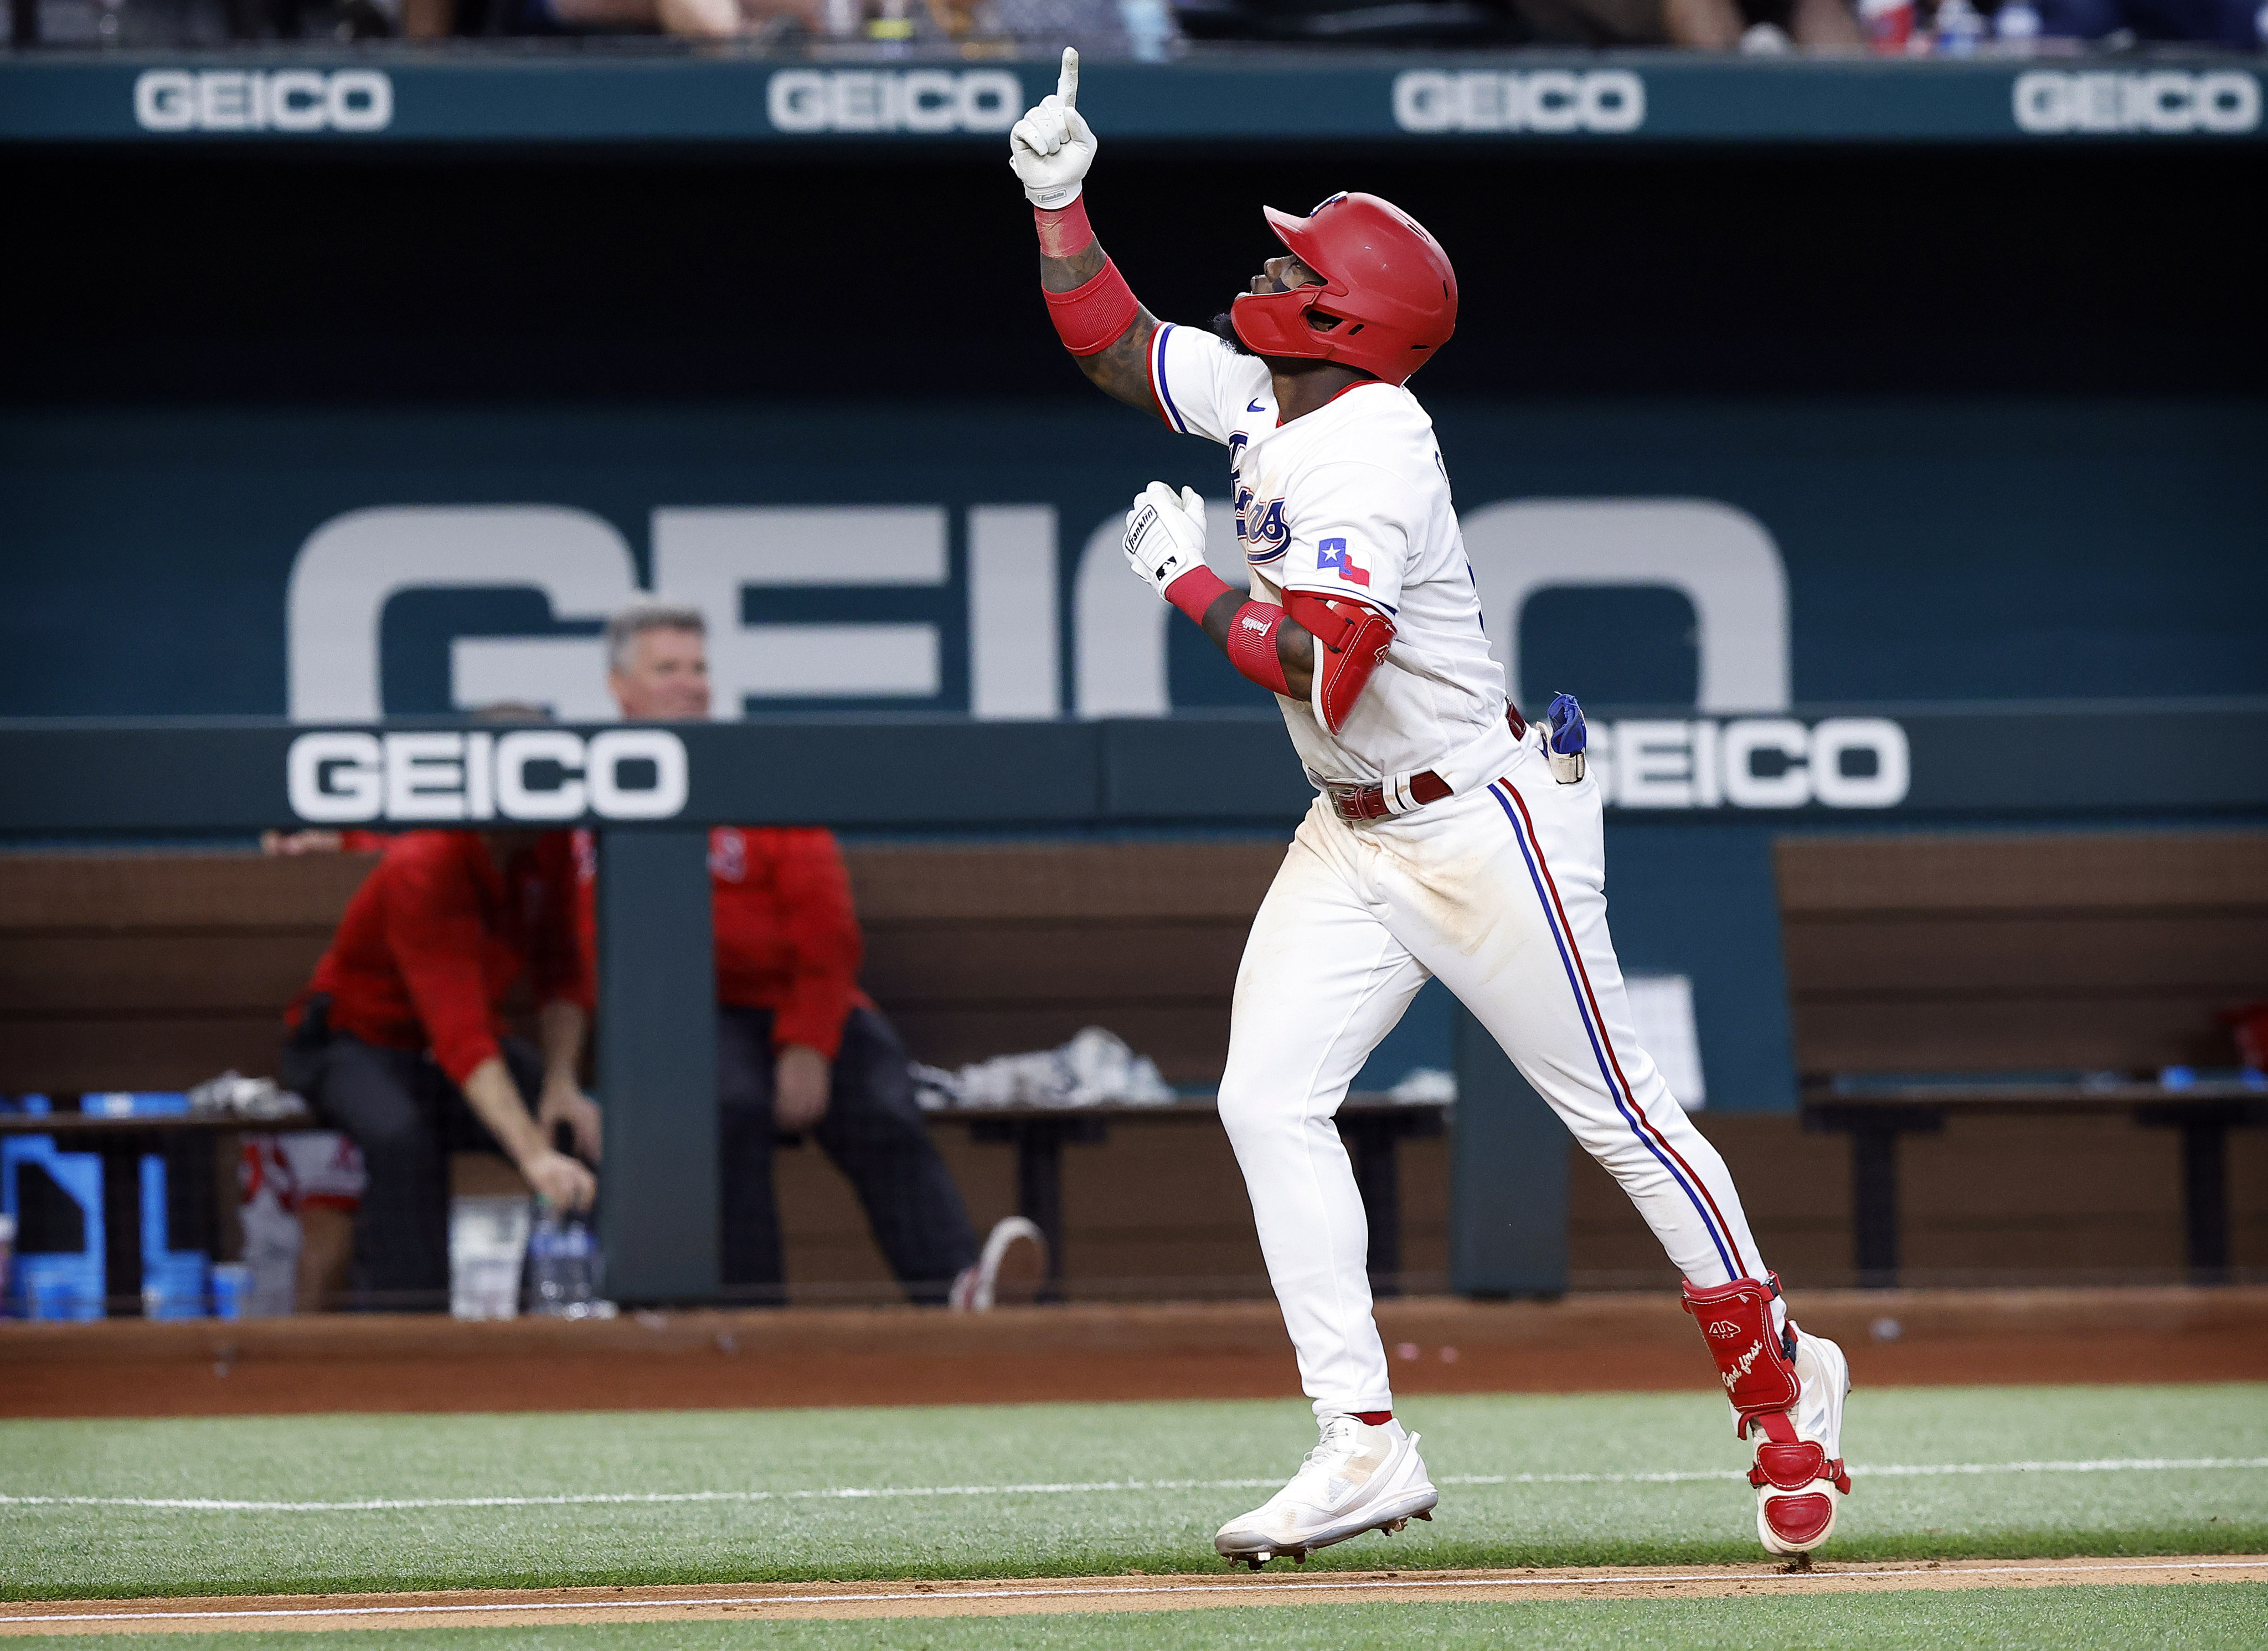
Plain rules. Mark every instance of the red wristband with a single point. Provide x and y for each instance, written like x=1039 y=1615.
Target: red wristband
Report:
x=1093 y=317
x=1252 y=646
x=1196 y=591
x=1251 y=643
x=1065 y=233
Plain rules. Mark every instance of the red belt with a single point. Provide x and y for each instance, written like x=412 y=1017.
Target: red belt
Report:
x=1368 y=802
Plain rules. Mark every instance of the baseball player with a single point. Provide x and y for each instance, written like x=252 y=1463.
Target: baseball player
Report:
x=1450 y=838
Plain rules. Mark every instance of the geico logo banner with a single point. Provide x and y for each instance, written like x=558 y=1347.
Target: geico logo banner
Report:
x=1751 y=763
x=2160 y=100
x=286 y=100
x=916 y=100
x=532 y=773
x=1542 y=100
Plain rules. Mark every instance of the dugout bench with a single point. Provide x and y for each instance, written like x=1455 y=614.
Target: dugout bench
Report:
x=1373 y=1126
x=1935 y=976
x=1877 y=1117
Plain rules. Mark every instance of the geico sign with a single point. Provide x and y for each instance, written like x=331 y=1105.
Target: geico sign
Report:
x=2158 y=101
x=1539 y=101
x=286 y=101
x=1752 y=763
x=526 y=774
x=872 y=100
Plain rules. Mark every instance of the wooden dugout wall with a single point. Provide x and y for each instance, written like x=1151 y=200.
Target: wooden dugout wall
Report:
x=1908 y=952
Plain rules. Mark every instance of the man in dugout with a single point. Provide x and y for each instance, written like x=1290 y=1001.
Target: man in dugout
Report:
x=800 y=1048
x=398 y=1039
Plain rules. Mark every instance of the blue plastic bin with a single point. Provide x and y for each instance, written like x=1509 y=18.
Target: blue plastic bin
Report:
x=49 y=1284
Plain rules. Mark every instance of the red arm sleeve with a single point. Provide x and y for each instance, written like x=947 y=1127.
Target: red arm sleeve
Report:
x=433 y=931
x=559 y=963
x=823 y=938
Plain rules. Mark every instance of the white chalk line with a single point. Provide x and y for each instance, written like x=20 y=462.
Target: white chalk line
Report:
x=388 y=1505
x=1352 y=1584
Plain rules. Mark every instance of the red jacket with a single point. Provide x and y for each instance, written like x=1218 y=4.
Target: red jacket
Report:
x=436 y=936
x=787 y=937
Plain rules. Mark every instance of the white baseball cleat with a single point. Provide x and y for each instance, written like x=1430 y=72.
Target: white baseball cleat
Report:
x=1360 y=1478
x=1799 y=1472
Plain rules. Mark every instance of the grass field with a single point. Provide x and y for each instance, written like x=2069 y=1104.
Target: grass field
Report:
x=2081 y=1618
x=254 y=1505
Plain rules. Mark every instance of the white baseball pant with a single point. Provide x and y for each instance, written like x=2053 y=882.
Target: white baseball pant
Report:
x=1500 y=892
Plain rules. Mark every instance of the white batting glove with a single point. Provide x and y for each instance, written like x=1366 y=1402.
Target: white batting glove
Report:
x=1165 y=534
x=1052 y=146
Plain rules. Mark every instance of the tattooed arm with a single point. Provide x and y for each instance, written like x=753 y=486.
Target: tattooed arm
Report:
x=1121 y=370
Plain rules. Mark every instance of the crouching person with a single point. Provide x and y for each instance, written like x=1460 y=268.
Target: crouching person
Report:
x=398 y=1041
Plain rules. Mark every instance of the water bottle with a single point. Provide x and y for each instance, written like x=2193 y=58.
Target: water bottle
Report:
x=562 y=1266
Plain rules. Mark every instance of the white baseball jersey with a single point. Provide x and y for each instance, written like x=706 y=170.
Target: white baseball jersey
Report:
x=1352 y=501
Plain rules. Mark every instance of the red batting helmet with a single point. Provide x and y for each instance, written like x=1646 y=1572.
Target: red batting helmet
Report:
x=1389 y=297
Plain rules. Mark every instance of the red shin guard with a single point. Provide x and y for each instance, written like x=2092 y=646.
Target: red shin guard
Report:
x=1791 y=1473
x=1756 y=1365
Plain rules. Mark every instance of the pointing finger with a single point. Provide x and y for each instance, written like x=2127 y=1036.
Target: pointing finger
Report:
x=1067 y=82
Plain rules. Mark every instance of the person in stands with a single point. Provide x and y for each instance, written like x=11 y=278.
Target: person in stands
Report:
x=399 y=1041
x=800 y=1048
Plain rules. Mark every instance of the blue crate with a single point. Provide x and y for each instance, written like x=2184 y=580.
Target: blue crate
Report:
x=173 y=1280
x=56 y=1284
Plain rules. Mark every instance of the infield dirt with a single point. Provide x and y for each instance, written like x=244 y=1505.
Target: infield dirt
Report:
x=1036 y=1597
x=859 y=1356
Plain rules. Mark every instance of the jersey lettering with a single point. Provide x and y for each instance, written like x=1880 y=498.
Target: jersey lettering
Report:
x=1259 y=528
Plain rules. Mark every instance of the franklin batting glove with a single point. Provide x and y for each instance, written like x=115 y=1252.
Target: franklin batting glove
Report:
x=1165 y=534
x=1052 y=146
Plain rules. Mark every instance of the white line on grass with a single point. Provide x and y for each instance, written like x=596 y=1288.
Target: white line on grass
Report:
x=388 y=1505
x=930 y=1596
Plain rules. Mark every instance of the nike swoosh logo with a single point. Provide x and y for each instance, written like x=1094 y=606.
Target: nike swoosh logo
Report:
x=1255 y=408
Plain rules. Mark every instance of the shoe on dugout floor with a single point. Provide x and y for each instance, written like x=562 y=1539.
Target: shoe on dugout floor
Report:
x=1359 y=1478
x=978 y=1288
x=1799 y=1472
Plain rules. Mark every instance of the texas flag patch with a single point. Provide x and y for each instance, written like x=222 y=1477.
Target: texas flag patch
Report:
x=1333 y=557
